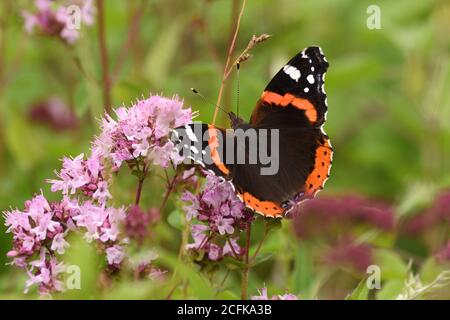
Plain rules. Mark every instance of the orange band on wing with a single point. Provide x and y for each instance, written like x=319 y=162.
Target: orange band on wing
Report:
x=213 y=145
x=265 y=208
x=318 y=177
x=289 y=99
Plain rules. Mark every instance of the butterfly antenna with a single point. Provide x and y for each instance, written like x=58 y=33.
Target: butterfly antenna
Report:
x=237 y=98
x=207 y=101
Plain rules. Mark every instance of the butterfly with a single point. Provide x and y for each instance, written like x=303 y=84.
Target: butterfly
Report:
x=294 y=106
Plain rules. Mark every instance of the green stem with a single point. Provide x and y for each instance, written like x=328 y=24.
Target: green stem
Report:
x=260 y=243
x=245 y=272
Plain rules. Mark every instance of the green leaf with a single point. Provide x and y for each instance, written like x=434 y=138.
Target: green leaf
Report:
x=25 y=144
x=303 y=272
x=392 y=266
x=227 y=295
x=232 y=263
x=159 y=59
x=390 y=289
x=198 y=285
x=361 y=292
x=262 y=258
x=176 y=219
x=85 y=258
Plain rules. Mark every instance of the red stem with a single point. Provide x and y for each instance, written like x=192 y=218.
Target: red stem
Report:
x=106 y=81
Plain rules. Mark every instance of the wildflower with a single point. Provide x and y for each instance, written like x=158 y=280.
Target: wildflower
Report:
x=137 y=222
x=55 y=114
x=86 y=176
x=46 y=273
x=40 y=229
x=142 y=131
x=52 y=20
x=348 y=253
x=115 y=255
x=325 y=216
x=438 y=214
x=101 y=223
x=443 y=255
x=217 y=214
x=263 y=296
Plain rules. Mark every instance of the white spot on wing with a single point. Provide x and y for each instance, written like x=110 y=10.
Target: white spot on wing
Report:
x=292 y=72
x=191 y=134
x=310 y=78
x=306 y=89
x=194 y=149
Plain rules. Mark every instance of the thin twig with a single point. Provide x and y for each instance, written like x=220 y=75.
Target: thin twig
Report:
x=169 y=190
x=244 y=283
x=232 y=249
x=230 y=53
x=222 y=283
x=106 y=81
x=255 y=254
x=133 y=31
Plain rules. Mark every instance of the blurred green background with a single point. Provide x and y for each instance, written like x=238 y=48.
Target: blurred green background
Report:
x=388 y=96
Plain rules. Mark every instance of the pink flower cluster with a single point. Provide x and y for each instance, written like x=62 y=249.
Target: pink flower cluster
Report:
x=82 y=175
x=437 y=215
x=263 y=296
x=41 y=228
x=137 y=222
x=55 y=114
x=59 y=20
x=347 y=252
x=327 y=217
x=219 y=217
x=142 y=131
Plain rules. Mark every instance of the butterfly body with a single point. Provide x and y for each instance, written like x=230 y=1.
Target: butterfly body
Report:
x=287 y=124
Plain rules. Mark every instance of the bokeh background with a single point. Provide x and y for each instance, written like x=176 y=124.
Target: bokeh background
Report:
x=388 y=199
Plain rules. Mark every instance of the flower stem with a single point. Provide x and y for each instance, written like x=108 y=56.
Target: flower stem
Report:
x=139 y=191
x=245 y=272
x=170 y=187
x=140 y=184
x=104 y=57
x=227 y=64
x=260 y=243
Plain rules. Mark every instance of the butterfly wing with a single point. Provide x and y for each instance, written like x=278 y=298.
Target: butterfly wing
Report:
x=294 y=102
x=295 y=96
x=205 y=145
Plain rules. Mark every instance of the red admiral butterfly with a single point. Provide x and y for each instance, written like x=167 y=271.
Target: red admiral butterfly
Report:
x=294 y=102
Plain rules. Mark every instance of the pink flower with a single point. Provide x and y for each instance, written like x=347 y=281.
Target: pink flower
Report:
x=45 y=273
x=224 y=225
x=59 y=245
x=233 y=249
x=143 y=131
x=219 y=214
x=57 y=20
x=84 y=176
x=287 y=296
x=263 y=296
x=214 y=252
x=137 y=222
x=115 y=255
x=53 y=113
